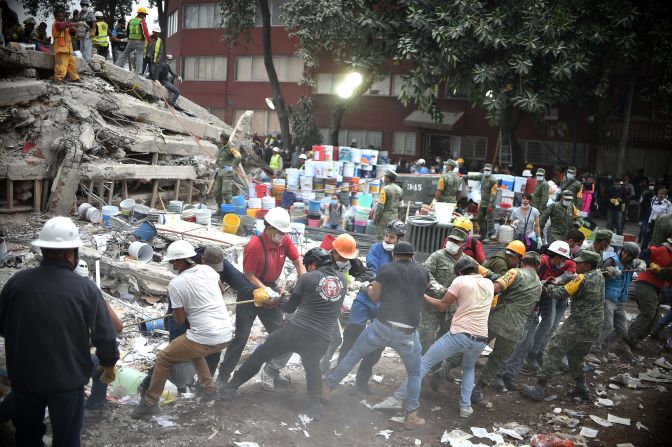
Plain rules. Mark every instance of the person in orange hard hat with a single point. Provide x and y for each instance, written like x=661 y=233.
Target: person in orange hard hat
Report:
x=506 y=259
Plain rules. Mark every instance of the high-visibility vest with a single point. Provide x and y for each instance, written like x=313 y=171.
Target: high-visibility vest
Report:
x=62 y=40
x=101 y=38
x=135 y=29
x=157 y=50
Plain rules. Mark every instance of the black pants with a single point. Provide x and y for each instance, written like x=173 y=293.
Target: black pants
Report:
x=66 y=413
x=245 y=315
x=172 y=89
x=309 y=345
x=365 y=370
x=101 y=51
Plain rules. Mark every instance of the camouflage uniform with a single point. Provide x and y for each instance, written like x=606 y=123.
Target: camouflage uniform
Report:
x=486 y=221
x=562 y=219
x=540 y=196
x=575 y=186
x=662 y=230
x=499 y=263
x=449 y=184
x=228 y=159
x=388 y=207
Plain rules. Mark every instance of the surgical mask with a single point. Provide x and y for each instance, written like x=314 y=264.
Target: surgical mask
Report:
x=342 y=265
x=278 y=237
x=487 y=173
x=540 y=178
x=334 y=202
x=566 y=202
x=452 y=248
x=387 y=247
x=650 y=187
x=570 y=176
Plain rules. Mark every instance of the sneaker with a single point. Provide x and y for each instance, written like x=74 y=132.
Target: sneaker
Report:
x=391 y=403
x=465 y=412
x=143 y=410
x=282 y=380
x=267 y=381
x=227 y=392
x=413 y=422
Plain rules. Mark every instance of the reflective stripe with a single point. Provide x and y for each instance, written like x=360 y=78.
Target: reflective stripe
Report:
x=101 y=38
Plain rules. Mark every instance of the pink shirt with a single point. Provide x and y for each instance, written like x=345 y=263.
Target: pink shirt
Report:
x=474 y=298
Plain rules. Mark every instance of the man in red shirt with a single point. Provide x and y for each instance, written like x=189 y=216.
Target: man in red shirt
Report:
x=263 y=261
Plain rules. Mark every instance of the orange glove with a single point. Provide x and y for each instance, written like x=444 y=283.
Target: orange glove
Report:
x=108 y=375
x=260 y=297
x=655 y=268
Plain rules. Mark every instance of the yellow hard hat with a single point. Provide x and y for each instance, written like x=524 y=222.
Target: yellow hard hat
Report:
x=460 y=161
x=142 y=10
x=529 y=166
x=517 y=247
x=464 y=223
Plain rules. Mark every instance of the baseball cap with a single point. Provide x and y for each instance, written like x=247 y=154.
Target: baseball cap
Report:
x=214 y=257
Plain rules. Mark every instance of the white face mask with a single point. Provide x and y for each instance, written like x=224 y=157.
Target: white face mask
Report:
x=388 y=247
x=540 y=178
x=570 y=176
x=487 y=173
x=342 y=264
x=567 y=202
x=452 y=248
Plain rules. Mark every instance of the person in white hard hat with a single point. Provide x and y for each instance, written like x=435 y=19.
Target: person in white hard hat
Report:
x=263 y=260
x=276 y=161
x=50 y=316
x=302 y=162
x=195 y=295
x=101 y=35
x=154 y=53
x=420 y=167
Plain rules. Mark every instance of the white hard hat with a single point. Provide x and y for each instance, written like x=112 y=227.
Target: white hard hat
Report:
x=82 y=268
x=421 y=161
x=527 y=173
x=58 y=232
x=303 y=157
x=179 y=250
x=560 y=248
x=156 y=29
x=278 y=218
x=98 y=14
x=276 y=149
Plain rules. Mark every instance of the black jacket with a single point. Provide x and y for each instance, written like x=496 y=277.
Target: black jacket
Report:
x=50 y=316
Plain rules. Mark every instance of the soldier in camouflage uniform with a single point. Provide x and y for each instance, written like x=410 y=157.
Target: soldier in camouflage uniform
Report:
x=228 y=159
x=577 y=335
x=519 y=290
x=661 y=230
x=387 y=209
x=485 y=218
x=563 y=214
x=540 y=194
x=571 y=183
x=449 y=184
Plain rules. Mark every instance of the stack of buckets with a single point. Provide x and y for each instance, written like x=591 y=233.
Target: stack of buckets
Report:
x=307 y=193
x=361 y=219
x=239 y=205
x=277 y=188
x=314 y=213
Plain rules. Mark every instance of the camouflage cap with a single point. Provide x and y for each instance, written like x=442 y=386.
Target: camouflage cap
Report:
x=487 y=166
x=572 y=169
x=541 y=171
x=567 y=194
x=391 y=174
x=458 y=234
x=532 y=257
x=450 y=162
x=603 y=235
x=587 y=256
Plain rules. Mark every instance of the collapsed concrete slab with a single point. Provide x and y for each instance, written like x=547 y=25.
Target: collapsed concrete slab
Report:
x=118 y=171
x=174 y=145
x=34 y=59
x=16 y=92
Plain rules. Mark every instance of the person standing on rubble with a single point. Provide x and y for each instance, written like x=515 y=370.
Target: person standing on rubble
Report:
x=263 y=261
x=119 y=39
x=317 y=300
x=228 y=159
x=49 y=360
x=64 y=59
x=137 y=36
x=154 y=53
x=387 y=208
x=196 y=296
x=84 y=34
x=100 y=36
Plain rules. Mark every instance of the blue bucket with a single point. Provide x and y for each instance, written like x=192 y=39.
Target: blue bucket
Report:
x=238 y=201
x=314 y=206
x=240 y=210
x=145 y=232
x=149 y=326
x=288 y=199
x=227 y=208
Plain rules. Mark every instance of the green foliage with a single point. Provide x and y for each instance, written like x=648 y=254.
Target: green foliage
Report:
x=305 y=132
x=238 y=18
x=111 y=8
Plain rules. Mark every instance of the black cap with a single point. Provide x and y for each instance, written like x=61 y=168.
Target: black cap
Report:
x=464 y=263
x=403 y=248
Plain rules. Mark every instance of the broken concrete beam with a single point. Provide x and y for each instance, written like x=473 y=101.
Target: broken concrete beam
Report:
x=34 y=59
x=174 y=145
x=28 y=169
x=16 y=92
x=201 y=113
x=118 y=171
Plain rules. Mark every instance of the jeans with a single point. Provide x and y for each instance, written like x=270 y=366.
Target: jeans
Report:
x=333 y=226
x=271 y=318
x=172 y=89
x=98 y=396
x=552 y=312
x=665 y=319
x=86 y=47
x=286 y=340
x=365 y=370
x=514 y=363
x=615 y=221
x=336 y=340
x=137 y=46
x=66 y=413
x=378 y=335
x=445 y=347
x=614 y=322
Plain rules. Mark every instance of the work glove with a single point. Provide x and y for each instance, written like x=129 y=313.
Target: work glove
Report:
x=261 y=296
x=564 y=278
x=613 y=272
x=108 y=375
x=640 y=265
x=655 y=268
x=179 y=79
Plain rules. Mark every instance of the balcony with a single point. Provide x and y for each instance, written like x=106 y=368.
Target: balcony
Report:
x=642 y=131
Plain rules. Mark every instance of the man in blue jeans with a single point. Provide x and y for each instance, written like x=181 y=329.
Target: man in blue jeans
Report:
x=400 y=287
x=467 y=335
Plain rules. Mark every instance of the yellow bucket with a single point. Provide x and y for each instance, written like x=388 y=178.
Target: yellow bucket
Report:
x=586 y=232
x=230 y=223
x=252 y=212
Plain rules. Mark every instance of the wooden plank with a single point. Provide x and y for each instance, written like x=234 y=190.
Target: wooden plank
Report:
x=16 y=209
x=200 y=234
x=111 y=196
x=177 y=189
x=10 y=194
x=155 y=186
x=190 y=191
x=89 y=196
x=124 y=189
x=45 y=194
x=37 y=195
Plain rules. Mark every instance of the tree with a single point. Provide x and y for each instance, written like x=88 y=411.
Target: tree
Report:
x=304 y=126
x=238 y=19
x=111 y=8
x=162 y=8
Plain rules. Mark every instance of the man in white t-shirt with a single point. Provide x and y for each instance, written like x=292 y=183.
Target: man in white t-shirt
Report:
x=195 y=295
x=468 y=331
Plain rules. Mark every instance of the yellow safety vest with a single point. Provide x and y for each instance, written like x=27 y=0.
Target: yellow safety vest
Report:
x=101 y=38
x=135 y=29
x=157 y=49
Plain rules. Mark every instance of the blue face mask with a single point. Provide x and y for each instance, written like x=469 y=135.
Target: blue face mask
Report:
x=334 y=202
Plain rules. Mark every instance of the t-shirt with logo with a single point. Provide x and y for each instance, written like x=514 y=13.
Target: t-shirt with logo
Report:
x=318 y=295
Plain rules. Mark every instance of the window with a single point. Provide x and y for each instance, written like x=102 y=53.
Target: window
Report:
x=172 y=23
x=473 y=148
x=327 y=82
x=403 y=143
x=380 y=88
x=252 y=68
x=204 y=68
x=397 y=82
x=263 y=121
x=553 y=152
x=274 y=7
x=364 y=138
x=205 y=15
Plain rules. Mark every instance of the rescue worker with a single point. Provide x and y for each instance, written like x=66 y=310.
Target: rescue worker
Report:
x=263 y=261
x=472 y=246
x=506 y=259
x=400 y=287
x=119 y=38
x=302 y=162
x=463 y=169
x=519 y=290
x=363 y=310
x=162 y=73
x=49 y=360
x=601 y=242
x=153 y=53
x=485 y=217
x=87 y=16
x=562 y=214
x=228 y=159
x=28 y=31
x=649 y=283
x=571 y=183
x=450 y=184
x=316 y=302
x=276 y=161
x=64 y=59
x=389 y=199
x=100 y=35
x=137 y=36
x=579 y=331
x=540 y=194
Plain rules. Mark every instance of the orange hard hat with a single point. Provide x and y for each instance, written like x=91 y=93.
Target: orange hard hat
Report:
x=142 y=10
x=516 y=247
x=346 y=246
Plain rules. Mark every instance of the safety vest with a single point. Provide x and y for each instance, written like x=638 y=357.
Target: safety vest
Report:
x=101 y=38
x=135 y=29
x=62 y=40
x=275 y=163
x=616 y=289
x=157 y=50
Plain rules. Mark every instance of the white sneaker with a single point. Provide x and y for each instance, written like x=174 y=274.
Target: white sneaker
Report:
x=267 y=380
x=465 y=412
x=391 y=403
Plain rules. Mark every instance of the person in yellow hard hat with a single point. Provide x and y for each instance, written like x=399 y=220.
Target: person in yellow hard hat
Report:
x=529 y=166
x=462 y=168
x=506 y=259
x=138 y=34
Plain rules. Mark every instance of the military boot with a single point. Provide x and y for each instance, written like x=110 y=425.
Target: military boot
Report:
x=508 y=383
x=477 y=393
x=498 y=384
x=534 y=392
x=315 y=408
x=580 y=392
x=413 y=421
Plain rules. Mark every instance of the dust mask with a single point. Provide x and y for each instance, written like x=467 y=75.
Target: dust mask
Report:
x=540 y=178
x=388 y=247
x=487 y=173
x=570 y=176
x=525 y=206
x=452 y=248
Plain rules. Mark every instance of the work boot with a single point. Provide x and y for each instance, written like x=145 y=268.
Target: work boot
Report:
x=228 y=391
x=282 y=380
x=390 y=403
x=498 y=384
x=364 y=388
x=143 y=410
x=314 y=408
x=223 y=378
x=465 y=412
x=532 y=364
x=477 y=393
x=435 y=381
x=140 y=391
x=534 y=392
x=326 y=393
x=267 y=380
x=209 y=397
x=580 y=392
x=413 y=422
x=508 y=383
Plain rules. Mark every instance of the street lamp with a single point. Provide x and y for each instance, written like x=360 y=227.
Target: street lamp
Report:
x=346 y=88
x=270 y=103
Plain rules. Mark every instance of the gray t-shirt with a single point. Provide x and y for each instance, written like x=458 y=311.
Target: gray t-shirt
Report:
x=317 y=299
x=529 y=217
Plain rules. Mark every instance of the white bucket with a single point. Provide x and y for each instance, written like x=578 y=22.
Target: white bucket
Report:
x=307 y=183
x=309 y=168
x=337 y=170
x=505 y=234
x=267 y=203
x=252 y=190
x=292 y=177
x=355 y=155
x=203 y=216
x=141 y=251
x=321 y=169
x=126 y=206
x=254 y=203
x=175 y=206
x=348 y=169
x=94 y=215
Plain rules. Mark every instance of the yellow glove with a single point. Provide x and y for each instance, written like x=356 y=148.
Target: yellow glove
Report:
x=495 y=300
x=655 y=268
x=260 y=297
x=108 y=375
